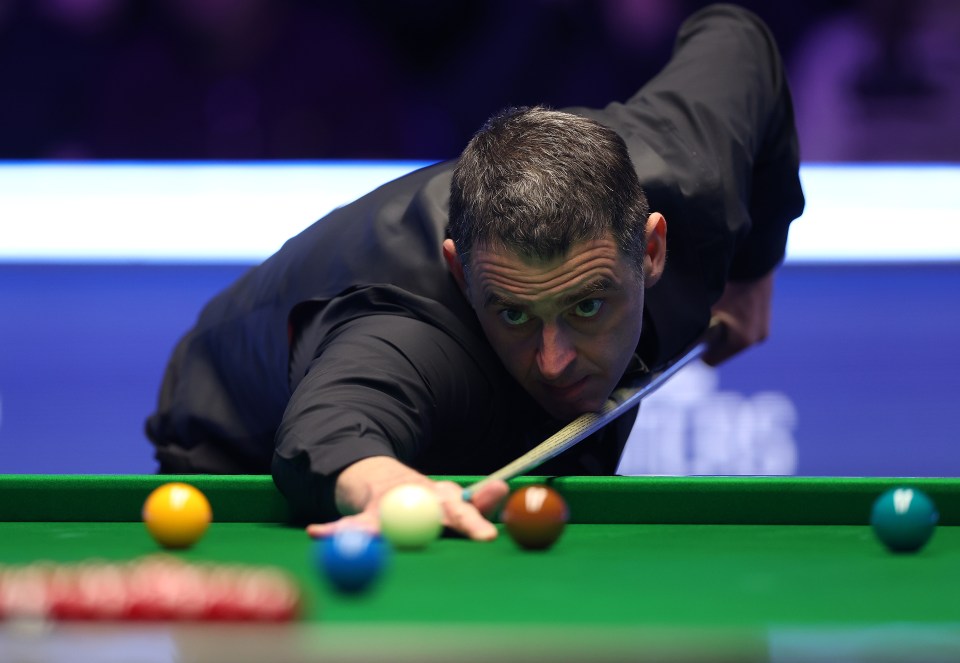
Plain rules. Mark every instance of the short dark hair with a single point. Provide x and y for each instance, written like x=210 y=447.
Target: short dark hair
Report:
x=536 y=181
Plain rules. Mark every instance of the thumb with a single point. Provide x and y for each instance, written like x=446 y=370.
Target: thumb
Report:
x=488 y=495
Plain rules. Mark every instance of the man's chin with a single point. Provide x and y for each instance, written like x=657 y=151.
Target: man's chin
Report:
x=570 y=411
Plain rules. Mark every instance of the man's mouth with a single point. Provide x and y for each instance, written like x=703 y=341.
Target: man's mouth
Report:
x=566 y=392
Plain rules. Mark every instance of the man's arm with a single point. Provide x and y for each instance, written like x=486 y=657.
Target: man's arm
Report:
x=713 y=140
x=381 y=392
x=761 y=167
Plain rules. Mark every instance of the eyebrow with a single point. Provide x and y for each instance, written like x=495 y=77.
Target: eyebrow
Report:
x=597 y=286
x=593 y=287
x=494 y=299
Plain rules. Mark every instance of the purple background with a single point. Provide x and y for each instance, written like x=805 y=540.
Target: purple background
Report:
x=314 y=79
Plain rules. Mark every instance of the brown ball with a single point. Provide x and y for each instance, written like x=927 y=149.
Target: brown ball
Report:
x=535 y=517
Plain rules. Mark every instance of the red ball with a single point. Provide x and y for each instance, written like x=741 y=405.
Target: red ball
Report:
x=535 y=517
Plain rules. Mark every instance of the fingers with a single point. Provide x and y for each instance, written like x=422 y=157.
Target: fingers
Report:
x=724 y=339
x=744 y=312
x=465 y=517
x=489 y=495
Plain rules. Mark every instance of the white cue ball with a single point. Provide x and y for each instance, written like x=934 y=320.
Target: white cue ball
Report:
x=410 y=516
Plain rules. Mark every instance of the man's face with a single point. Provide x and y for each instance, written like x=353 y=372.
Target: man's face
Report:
x=564 y=328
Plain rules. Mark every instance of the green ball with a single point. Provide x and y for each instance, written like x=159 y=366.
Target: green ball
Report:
x=904 y=519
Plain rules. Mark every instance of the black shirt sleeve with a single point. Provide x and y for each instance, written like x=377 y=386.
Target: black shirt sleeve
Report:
x=378 y=385
x=713 y=141
x=726 y=95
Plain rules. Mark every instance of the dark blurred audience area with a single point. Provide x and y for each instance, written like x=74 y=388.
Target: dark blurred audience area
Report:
x=873 y=80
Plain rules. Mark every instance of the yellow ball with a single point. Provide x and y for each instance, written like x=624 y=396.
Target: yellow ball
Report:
x=177 y=515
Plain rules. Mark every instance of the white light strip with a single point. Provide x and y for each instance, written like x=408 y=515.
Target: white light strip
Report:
x=883 y=213
x=223 y=212
x=172 y=212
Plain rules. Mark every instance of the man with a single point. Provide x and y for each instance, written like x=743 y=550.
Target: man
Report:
x=452 y=319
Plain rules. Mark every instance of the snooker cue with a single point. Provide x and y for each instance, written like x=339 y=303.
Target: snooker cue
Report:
x=621 y=400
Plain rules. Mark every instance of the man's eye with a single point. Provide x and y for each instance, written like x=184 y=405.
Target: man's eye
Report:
x=588 y=308
x=513 y=317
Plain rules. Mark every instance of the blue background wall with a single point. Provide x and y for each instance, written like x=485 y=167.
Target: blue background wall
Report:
x=866 y=356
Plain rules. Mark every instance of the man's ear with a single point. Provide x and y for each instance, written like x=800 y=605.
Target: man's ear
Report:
x=454 y=264
x=655 y=257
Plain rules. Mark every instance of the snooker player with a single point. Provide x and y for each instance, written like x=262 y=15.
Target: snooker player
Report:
x=450 y=320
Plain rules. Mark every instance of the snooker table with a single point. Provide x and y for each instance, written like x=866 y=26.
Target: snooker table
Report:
x=649 y=568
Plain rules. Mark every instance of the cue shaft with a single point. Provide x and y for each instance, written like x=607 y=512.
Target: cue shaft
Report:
x=620 y=401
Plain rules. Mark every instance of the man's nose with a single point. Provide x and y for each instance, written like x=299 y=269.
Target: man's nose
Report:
x=556 y=351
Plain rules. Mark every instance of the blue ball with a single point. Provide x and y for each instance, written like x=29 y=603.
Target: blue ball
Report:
x=904 y=519
x=351 y=559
